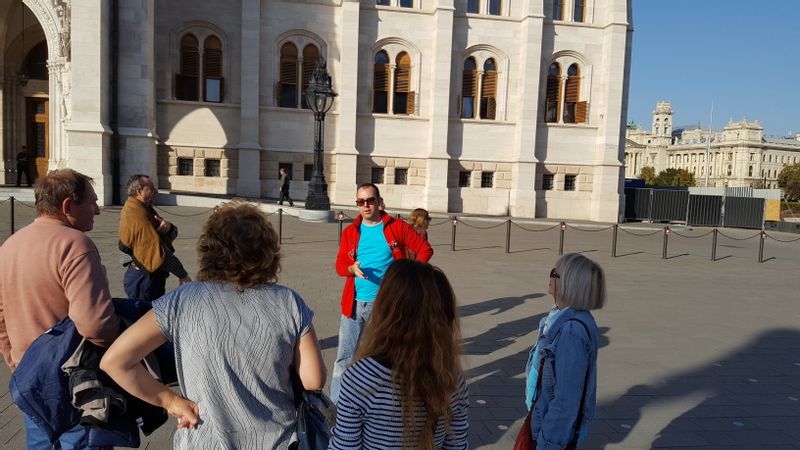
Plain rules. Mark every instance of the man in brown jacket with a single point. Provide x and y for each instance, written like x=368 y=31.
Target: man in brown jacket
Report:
x=147 y=239
x=51 y=270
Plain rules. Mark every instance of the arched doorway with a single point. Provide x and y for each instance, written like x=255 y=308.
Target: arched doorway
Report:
x=25 y=116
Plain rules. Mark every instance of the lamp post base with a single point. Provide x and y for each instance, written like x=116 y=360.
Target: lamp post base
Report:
x=318 y=199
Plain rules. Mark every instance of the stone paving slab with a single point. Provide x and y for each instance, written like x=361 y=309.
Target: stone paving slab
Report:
x=694 y=353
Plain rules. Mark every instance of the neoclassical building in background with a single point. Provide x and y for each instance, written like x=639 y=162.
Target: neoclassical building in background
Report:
x=474 y=106
x=740 y=155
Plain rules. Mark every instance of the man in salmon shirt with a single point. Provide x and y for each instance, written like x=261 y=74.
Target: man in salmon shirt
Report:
x=52 y=270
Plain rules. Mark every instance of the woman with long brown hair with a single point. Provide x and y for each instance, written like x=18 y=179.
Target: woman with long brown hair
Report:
x=405 y=389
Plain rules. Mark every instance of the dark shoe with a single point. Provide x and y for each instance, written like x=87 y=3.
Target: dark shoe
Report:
x=291 y=204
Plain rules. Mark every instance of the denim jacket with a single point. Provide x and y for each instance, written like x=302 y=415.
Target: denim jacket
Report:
x=568 y=354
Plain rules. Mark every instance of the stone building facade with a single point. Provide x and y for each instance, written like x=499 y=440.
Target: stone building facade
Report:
x=474 y=106
x=740 y=155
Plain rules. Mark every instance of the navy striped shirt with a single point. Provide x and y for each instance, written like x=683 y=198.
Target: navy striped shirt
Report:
x=369 y=412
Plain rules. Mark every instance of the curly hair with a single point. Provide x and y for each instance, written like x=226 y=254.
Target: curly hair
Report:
x=239 y=246
x=414 y=327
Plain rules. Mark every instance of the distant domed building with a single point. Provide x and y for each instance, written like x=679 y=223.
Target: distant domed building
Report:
x=474 y=106
x=739 y=155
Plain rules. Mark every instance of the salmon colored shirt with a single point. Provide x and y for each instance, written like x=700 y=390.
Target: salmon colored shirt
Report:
x=49 y=271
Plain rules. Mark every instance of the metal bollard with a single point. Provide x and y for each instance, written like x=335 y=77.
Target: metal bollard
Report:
x=340 y=217
x=714 y=244
x=761 y=246
x=666 y=242
x=561 y=239
x=614 y=241
x=453 y=239
x=508 y=236
x=12 y=214
x=280 y=225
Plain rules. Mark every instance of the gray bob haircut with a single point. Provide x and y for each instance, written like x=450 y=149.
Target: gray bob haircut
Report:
x=582 y=283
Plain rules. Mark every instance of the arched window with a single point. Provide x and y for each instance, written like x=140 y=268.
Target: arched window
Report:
x=200 y=79
x=212 y=69
x=287 y=89
x=750 y=171
x=553 y=93
x=469 y=88
x=579 y=11
x=558 y=9
x=489 y=90
x=380 y=89
x=574 y=109
x=403 y=102
x=494 y=7
x=310 y=57
x=187 y=79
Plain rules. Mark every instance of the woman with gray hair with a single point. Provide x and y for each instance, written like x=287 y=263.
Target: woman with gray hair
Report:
x=561 y=382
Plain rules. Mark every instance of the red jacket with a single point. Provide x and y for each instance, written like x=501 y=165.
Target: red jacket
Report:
x=399 y=235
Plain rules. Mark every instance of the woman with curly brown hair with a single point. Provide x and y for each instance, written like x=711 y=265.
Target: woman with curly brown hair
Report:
x=405 y=389
x=237 y=336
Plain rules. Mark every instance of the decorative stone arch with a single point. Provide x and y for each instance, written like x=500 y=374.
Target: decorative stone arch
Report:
x=393 y=46
x=481 y=53
x=54 y=17
x=300 y=38
x=201 y=30
x=566 y=58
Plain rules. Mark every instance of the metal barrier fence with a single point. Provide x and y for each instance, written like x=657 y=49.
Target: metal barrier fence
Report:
x=669 y=205
x=455 y=222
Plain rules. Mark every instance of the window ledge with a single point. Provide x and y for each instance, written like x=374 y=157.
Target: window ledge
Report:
x=502 y=17
x=414 y=9
x=569 y=125
x=170 y=101
x=392 y=116
x=482 y=121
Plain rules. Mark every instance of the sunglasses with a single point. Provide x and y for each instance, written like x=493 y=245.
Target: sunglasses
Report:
x=366 y=201
x=554 y=274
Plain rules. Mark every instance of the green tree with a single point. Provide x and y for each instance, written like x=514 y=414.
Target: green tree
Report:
x=648 y=174
x=674 y=177
x=789 y=180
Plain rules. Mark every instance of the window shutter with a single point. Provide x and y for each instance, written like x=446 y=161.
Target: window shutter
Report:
x=402 y=76
x=212 y=63
x=580 y=112
x=411 y=103
x=470 y=84
x=310 y=56
x=489 y=92
x=381 y=77
x=573 y=90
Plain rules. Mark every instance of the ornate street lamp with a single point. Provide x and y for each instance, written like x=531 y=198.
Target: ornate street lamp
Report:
x=319 y=97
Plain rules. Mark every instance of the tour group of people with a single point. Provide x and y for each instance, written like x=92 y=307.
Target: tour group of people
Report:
x=242 y=342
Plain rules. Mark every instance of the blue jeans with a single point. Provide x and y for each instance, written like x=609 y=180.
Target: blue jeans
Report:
x=75 y=439
x=141 y=286
x=350 y=330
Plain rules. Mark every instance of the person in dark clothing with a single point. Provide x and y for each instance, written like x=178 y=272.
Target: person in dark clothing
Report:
x=285 y=188
x=23 y=167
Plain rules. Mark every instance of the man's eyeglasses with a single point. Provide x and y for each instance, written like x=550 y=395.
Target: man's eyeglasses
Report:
x=366 y=201
x=554 y=274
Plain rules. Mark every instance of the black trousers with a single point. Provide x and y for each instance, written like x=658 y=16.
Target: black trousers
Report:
x=285 y=196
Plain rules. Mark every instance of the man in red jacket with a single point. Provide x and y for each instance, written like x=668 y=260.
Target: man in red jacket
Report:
x=368 y=246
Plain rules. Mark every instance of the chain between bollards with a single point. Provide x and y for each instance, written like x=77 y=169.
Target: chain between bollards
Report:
x=280 y=225
x=761 y=246
x=508 y=236
x=453 y=238
x=11 y=203
x=340 y=217
x=614 y=241
x=714 y=244
x=561 y=239
x=666 y=242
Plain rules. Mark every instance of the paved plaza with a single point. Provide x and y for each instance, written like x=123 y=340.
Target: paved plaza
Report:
x=694 y=353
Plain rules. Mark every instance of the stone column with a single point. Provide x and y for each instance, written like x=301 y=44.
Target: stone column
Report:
x=88 y=135
x=342 y=183
x=58 y=112
x=137 y=92
x=249 y=182
x=522 y=197
x=436 y=196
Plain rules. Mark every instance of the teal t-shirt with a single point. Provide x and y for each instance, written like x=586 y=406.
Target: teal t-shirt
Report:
x=375 y=256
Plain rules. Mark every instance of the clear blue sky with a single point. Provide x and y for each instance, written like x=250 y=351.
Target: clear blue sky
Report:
x=742 y=55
